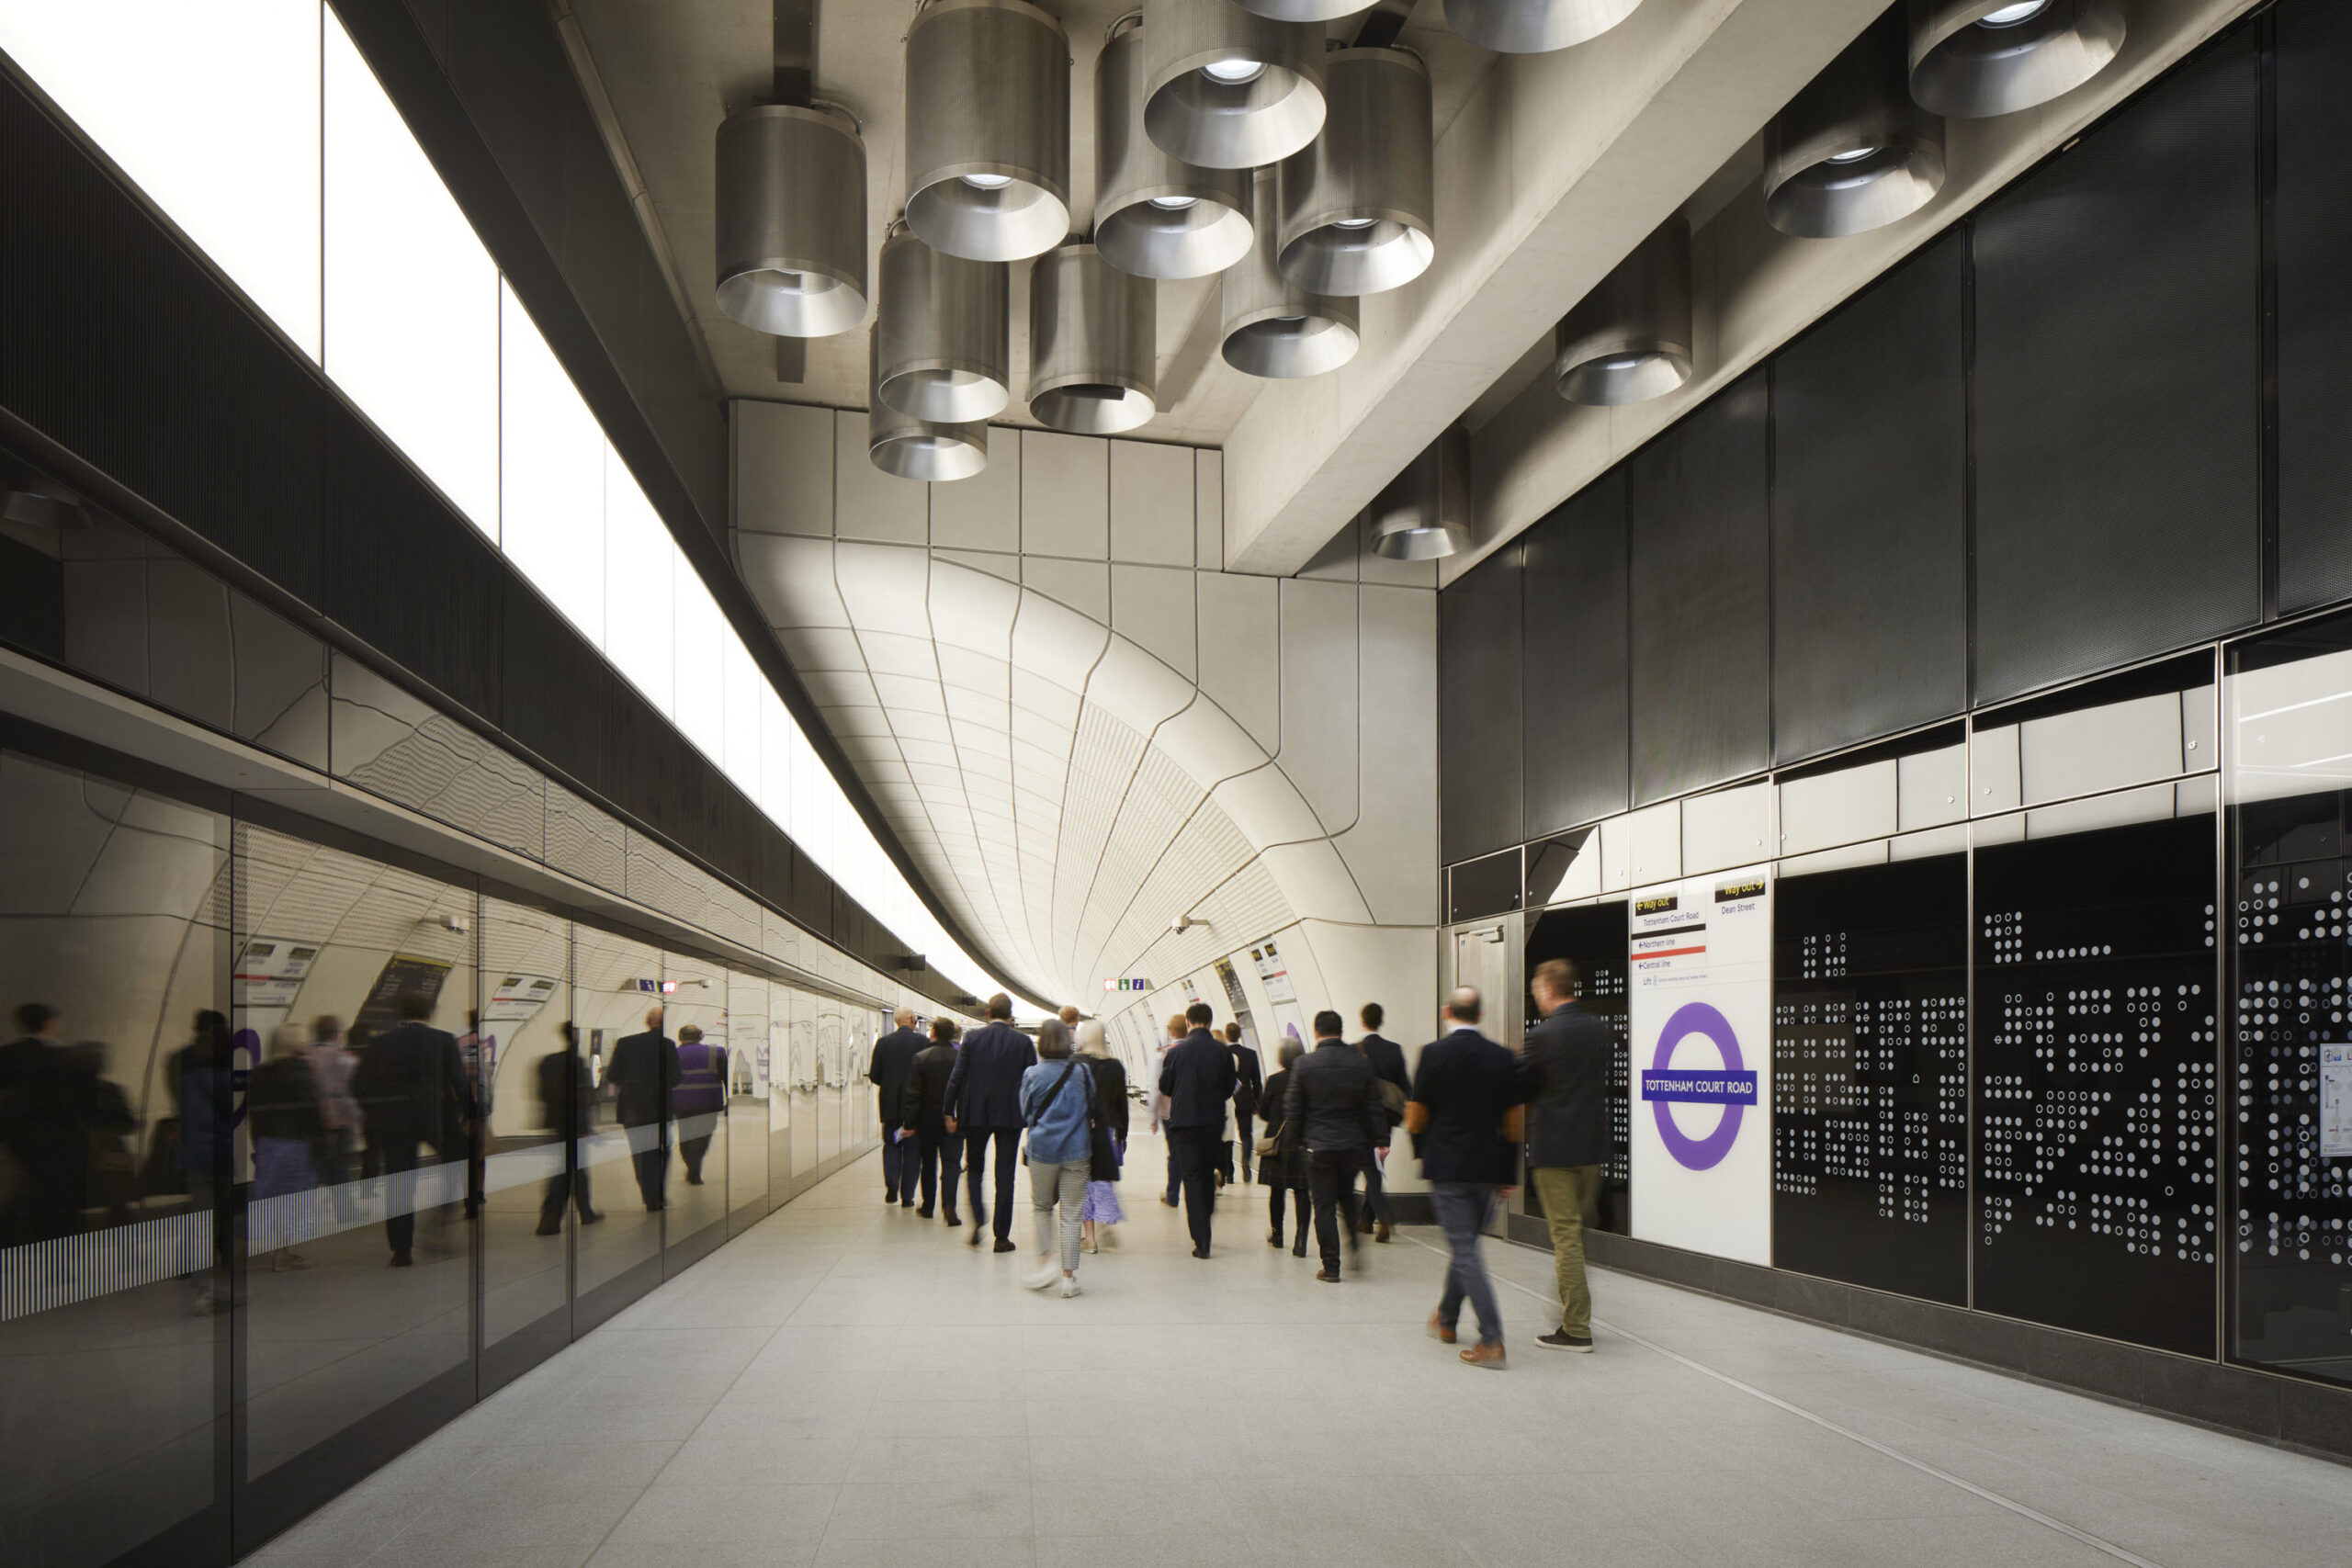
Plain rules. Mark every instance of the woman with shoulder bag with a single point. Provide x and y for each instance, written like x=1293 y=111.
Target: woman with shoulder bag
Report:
x=1277 y=1154
x=1103 y=1211
x=1057 y=1107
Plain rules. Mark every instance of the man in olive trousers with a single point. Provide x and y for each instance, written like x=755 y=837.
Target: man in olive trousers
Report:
x=1564 y=1079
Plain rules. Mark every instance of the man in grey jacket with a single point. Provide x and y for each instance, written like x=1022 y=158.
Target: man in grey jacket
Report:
x=1564 y=1079
x=1334 y=1105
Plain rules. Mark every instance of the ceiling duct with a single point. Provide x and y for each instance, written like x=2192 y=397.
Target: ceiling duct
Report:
x=1972 y=58
x=1629 y=340
x=1092 y=335
x=987 y=128
x=1535 y=27
x=942 y=342
x=1424 y=513
x=1154 y=215
x=1305 y=10
x=1226 y=89
x=1269 y=325
x=915 y=448
x=1852 y=152
x=1360 y=205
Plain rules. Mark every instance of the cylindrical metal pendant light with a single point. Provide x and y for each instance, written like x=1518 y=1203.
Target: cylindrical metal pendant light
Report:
x=1153 y=216
x=1972 y=58
x=1269 y=325
x=1424 y=513
x=1629 y=340
x=987 y=128
x=1852 y=152
x=1092 y=341
x=1226 y=89
x=1360 y=206
x=1305 y=10
x=918 y=448
x=1535 y=27
x=792 y=221
x=943 y=342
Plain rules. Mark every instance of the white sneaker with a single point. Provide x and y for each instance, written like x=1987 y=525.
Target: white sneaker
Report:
x=1044 y=1277
x=1069 y=1286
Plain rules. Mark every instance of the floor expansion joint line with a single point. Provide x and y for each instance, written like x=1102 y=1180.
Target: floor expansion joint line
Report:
x=2023 y=1510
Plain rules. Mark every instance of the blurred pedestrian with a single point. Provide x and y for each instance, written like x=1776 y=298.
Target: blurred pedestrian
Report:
x=1102 y=1210
x=700 y=1099
x=1564 y=1079
x=1333 y=1102
x=643 y=1071
x=894 y=1055
x=414 y=1093
x=1464 y=1120
x=1058 y=1108
x=1197 y=1076
x=1179 y=1027
x=938 y=1154
x=282 y=1113
x=1279 y=1168
x=1387 y=1059
x=332 y=1064
x=1249 y=1087
x=984 y=1105
x=567 y=1104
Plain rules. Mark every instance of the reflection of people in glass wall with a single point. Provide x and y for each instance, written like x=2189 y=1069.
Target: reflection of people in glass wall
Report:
x=108 y=1178
x=700 y=1098
x=566 y=1095
x=922 y=1117
x=201 y=1081
x=282 y=1109
x=644 y=1070
x=1103 y=1209
x=39 y=1136
x=470 y=1051
x=894 y=1057
x=984 y=1105
x=413 y=1090
x=331 y=1067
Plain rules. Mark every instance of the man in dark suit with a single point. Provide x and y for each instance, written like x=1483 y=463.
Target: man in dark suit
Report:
x=1249 y=1088
x=923 y=1123
x=1332 y=1108
x=1197 y=1076
x=643 y=1071
x=894 y=1053
x=984 y=1105
x=1387 y=1059
x=1564 y=1079
x=413 y=1089
x=1464 y=1120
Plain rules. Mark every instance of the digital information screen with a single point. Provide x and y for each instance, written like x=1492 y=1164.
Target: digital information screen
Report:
x=1594 y=939
x=2097 y=1112
x=1870 y=1077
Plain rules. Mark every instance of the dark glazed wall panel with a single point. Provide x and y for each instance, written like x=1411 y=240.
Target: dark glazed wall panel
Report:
x=1870 y=439
x=1573 y=694
x=1700 y=645
x=2312 y=220
x=552 y=698
x=2116 y=388
x=1477 y=684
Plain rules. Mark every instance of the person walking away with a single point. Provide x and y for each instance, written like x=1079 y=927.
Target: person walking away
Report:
x=282 y=1110
x=413 y=1092
x=700 y=1099
x=39 y=1134
x=923 y=1123
x=984 y=1106
x=1277 y=1171
x=1102 y=1210
x=643 y=1071
x=1057 y=1107
x=109 y=1177
x=1197 y=1076
x=331 y=1068
x=894 y=1055
x=1249 y=1092
x=1179 y=1028
x=566 y=1104
x=1464 y=1120
x=203 y=1079
x=1333 y=1105
x=1387 y=1059
x=1564 y=1079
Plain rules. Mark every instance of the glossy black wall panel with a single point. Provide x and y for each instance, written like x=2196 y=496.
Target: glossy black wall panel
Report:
x=1573 y=695
x=1869 y=552
x=552 y=687
x=1699 y=612
x=2097 y=1114
x=2117 y=388
x=2312 y=218
x=1870 y=1075
x=1478 y=712
x=1592 y=937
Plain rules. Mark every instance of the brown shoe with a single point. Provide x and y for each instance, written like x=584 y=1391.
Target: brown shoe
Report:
x=1440 y=1332
x=1329 y=1276
x=1381 y=1233
x=1489 y=1356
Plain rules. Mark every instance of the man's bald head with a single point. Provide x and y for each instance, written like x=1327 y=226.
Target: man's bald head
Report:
x=906 y=1018
x=1464 y=1005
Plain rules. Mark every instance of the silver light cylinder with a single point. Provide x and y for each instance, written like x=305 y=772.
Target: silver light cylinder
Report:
x=1153 y=216
x=792 y=221
x=1225 y=89
x=1270 y=326
x=943 y=344
x=1305 y=10
x=1629 y=340
x=1535 y=27
x=987 y=128
x=918 y=448
x=1092 y=337
x=1424 y=511
x=1360 y=206
x=1852 y=152
x=1972 y=58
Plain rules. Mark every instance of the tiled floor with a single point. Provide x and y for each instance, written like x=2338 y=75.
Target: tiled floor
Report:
x=848 y=1386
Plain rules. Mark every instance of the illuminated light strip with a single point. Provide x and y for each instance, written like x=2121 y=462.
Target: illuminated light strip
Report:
x=42 y=1276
